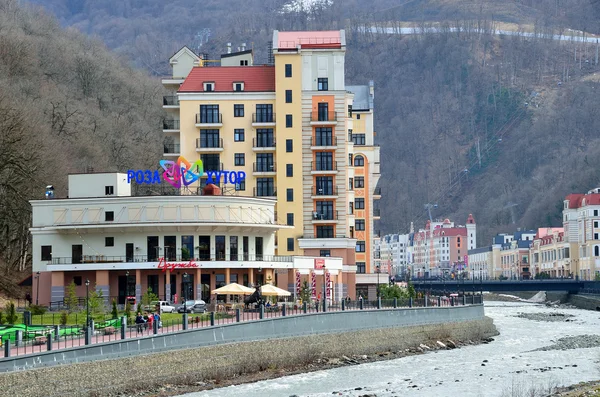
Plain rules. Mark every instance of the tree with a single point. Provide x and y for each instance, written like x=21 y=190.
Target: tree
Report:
x=96 y=301
x=149 y=297
x=11 y=313
x=71 y=300
x=305 y=292
x=410 y=289
x=392 y=291
x=127 y=312
x=114 y=312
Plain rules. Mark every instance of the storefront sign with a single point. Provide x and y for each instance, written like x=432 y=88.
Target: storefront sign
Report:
x=164 y=265
x=182 y=172
x=319 y=264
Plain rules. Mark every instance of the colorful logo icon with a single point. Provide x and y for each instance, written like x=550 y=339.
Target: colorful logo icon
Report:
x=181 y=170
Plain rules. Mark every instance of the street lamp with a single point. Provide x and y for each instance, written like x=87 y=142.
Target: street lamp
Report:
x=87 y=302
x=37 y=294
x=324 y=288
x=378 y=271
x=185 y=276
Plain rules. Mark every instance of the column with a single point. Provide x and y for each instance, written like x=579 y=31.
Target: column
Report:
x=198 y=283
x=103 y=284
x=138 y=287
x=227 y=281
x=251 y=276
x=57 y=289
x=168 y=285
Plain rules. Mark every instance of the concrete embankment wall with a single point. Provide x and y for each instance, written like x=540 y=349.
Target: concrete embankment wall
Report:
x=224 y=361
x=589 y=302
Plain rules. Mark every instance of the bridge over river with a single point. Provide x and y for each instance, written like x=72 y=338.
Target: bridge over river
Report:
x=567 y=285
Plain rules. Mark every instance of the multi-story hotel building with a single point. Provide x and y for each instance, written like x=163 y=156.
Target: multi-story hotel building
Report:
x=300 y=134
x=552 y=254
x=178 y=246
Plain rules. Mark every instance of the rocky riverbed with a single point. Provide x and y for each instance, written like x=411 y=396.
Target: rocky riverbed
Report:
x=550 y=317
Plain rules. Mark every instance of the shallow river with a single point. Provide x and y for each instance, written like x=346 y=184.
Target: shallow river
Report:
x=511 y=368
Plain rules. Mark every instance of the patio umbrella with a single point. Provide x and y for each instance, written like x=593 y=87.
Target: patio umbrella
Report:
x=271 y=290
x=233 y=289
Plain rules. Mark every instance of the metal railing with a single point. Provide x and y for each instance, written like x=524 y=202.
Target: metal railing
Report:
x=376 y=212
x=209 y=143
x=264 y=142
x=324 y=141
x=169 y=258
x=264 y=167
x=323 y=116
x=324 y=191
x=377 y=191
x=264 y=192
x=263 y=117
x=325 y=216
x=170 y=100
x=323 y=165
x=170 y=124
x=172 y=148
x=209 y=118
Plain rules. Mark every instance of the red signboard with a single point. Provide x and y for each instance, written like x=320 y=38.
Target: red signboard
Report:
x=319 y=263
x=164 y=265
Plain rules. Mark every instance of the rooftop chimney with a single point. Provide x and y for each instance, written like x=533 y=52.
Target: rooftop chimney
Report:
x=229 y=48
x=243 y=46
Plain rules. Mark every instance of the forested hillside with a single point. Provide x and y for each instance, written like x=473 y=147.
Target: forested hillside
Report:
x=499 y=126
x=66 y=104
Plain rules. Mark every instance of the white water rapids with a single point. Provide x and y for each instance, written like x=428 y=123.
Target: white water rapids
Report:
x=511 y=364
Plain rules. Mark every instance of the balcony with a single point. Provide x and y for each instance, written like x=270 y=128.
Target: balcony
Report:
x=323 y=167
x=376 y=213
x=263 y=144
x=170 y=125
x=170 y=102
x=324 y=192
x=325 y=217
x=377 y=193
x=89 y=259
x=323 y=118
x=171 y=149
x=323 y=142
x=209 y=120
x=204 y=145
x=264 y=168
x=263 y=119
x=264 y=192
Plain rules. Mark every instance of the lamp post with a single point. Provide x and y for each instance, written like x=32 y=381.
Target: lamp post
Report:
x=87 y=303
x=324 y=289
x=185 y=276
x=37 y=294
x=378 y=267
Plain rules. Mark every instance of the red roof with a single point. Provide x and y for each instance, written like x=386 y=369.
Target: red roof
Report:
x=450 y=232
x=255 y=78
x=310 y=39
x=574 y=200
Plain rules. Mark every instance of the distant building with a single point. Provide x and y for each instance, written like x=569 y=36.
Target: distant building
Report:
x=551 y=254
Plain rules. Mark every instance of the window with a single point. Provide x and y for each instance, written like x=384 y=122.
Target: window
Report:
x=323 y=84
x=238 y=135
x=349 y=110
x=359 y=224
x=351 y=209
x=360 y=246
x=109 y=190
x=289 y=194
x=288 y=70
x=290 y=244
x=46 y=252
x=289 y=170
x=361 y=268
x=264 y=113
x=109 y=241
x=325 y=253
x=350 y=184
x=324 y=161
x=264 y=162
x=238 y=87
x=324 y=211
x=258 y=248
x=209 y=139
x=265 y=137
x=238 y=110
x=211 y=162
x=290 y=219
x=240 y=186
x=265 y=187
x=358 y=117
x=358 y=139
x=359 y=182
x=288 y=121
x=109 y=216
x=239 y=159
x=288 y=96
x=359 y=161
x=289 y=146
x=359 y=203
x=324 y=186
x=209 y=114
x=323 y=112
x=325 y=231
x=595 y=212
x=350 y=158
x=208 y=87
x=324 y=136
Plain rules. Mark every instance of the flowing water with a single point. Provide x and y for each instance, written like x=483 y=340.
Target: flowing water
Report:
x=511 y=365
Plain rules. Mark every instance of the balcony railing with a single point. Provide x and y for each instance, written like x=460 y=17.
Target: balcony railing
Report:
x=170 y=124
x=263 y=142
x=377 y=191
x=264 y=167
x=325 y=191
x=179 y=258
x=323 y=116
x=325 y=216
x=170 y=100
x=209 y=118
x=209 y=143
x=263 y=117
x=376 y=212
x=323 y=165
x=172 y=148
x=324 y=141
x=265 y=192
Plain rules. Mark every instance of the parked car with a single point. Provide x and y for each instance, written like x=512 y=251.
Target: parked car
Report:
x=165 y=306
x=198 y=306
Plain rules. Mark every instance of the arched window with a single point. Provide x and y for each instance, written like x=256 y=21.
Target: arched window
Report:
x=596 y=250
x=359 y=161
